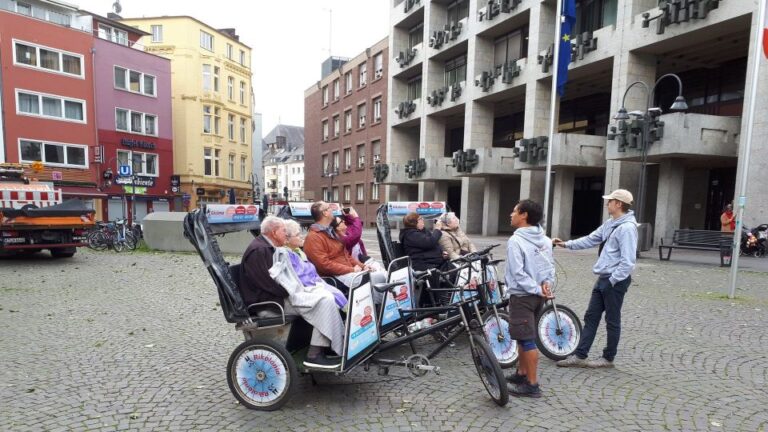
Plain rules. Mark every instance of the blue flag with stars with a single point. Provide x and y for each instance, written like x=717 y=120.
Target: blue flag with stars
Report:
x=566 y=27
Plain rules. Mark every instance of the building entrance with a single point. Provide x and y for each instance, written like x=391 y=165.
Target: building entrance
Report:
x=586 y=214
x=722 y=183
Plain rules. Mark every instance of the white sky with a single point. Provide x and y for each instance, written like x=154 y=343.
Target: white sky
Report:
x=289 y=40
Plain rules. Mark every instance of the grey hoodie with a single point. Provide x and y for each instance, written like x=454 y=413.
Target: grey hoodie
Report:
x=617 y=260
x=529 y=261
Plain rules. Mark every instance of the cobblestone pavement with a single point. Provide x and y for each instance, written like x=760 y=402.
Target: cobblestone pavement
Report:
x=136 y=341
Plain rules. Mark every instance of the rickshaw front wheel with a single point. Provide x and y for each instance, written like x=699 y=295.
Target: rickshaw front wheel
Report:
x=262 y=374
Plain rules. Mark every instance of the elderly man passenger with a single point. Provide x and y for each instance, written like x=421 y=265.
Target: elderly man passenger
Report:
x=318 y=308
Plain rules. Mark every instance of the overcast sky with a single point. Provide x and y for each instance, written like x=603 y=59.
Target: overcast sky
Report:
x=289 y=40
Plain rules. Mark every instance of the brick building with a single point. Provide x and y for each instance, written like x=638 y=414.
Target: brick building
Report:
x=345 y=118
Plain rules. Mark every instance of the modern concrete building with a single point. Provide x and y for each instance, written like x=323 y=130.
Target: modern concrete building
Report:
x=470 y=88
x=345 y=115
x=133 y=117
x=212 y=111
x=283 y=161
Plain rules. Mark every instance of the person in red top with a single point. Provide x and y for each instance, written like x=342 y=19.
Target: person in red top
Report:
x=349 y=229
x=728 y=220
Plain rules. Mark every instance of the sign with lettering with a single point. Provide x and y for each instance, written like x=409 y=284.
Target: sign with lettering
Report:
x=136 y=181
x=228 y=213
x=402 y=208
x=133 y=143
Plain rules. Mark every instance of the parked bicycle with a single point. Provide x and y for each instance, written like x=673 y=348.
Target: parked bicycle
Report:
x=112 y=235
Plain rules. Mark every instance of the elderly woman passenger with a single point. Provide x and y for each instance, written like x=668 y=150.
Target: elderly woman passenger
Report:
x=453 y=241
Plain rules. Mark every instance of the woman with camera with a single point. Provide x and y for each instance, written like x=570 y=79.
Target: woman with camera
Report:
x=453 y=241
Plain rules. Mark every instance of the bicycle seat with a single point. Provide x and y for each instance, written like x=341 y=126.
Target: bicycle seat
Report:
x=384 y=287
x=419 y=274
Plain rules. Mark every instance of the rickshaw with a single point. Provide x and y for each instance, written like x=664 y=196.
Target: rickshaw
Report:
x=262 y=372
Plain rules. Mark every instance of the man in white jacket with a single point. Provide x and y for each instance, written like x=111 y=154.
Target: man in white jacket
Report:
x=529 y=277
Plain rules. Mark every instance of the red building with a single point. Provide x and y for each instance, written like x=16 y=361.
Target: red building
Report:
x=48 y=96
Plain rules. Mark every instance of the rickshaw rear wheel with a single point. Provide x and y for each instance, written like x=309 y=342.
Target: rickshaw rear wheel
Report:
x=262 y=374
x=489 y=370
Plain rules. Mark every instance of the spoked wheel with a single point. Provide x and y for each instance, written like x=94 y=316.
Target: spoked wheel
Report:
x=556 y=342
x=97 y=241
x=262 y=375
x=497 y=335
x=489 y=370
x=130 y=241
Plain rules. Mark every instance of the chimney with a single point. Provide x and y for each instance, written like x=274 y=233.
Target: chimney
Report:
x=231 y=32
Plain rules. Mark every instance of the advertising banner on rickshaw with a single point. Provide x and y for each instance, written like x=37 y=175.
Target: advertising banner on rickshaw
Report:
x=403 y=298
x=363 y=331
x=231 y=213
x=402 y=208
x=304 y=209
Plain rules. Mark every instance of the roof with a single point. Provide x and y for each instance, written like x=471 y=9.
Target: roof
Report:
x=117 y=24
x=219 y=31
x=294 y=140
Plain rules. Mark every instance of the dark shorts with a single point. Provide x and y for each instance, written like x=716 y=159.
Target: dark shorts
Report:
x=522 y=316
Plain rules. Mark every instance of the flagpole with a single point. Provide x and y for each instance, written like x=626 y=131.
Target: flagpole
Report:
x=744 y=152
x=553 y=104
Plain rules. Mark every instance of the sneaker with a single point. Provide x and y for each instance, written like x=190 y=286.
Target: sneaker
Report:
x=525 y=390
x=517 y=379
x=322 y=362
x=572 y=361
x=602 y=362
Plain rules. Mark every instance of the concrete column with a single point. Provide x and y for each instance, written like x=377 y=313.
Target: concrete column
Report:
x=472 y=193
x=426 y=190
x=562 y=203
x=671 y=177
x=491 y=193
x=441 y=191
x=532 y=186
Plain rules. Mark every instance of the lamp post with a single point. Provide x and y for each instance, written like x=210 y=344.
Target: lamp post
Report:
x=107 y=177
x=647 y=118
x=331 y=172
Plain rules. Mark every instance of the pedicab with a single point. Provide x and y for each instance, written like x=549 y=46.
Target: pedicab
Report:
x=262 y=372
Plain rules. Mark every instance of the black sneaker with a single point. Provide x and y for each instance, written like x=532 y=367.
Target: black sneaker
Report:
x=517 y=379
x=525 y=390
x=322 y=362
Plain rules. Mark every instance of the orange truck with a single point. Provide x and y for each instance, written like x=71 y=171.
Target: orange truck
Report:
x=33 y=216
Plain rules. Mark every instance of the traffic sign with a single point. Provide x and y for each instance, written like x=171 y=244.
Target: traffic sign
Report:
x=125 y=170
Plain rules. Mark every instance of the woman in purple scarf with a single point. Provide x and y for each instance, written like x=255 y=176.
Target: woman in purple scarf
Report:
x=304 y=269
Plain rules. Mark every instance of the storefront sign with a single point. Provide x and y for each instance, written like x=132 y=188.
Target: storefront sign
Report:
x=136 y=181
x=133 y=143
x=135 y=190
x=224 y=213
x=200 y=191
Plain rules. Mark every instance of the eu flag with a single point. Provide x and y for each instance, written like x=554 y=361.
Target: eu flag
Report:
x=564 y=58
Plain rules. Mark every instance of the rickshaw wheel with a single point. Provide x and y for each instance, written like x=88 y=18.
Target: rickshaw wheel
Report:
x=261 y=374
x=499 y=340
x=557 y=344
x=489 y=370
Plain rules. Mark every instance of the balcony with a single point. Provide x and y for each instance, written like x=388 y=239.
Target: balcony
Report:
x=407 y=62
x=442 y=99
x=437 y=168
x=495 y=14
x=501 y=77
x=406 y=113
x=450 y=35
x=408 y=13
x=492 y=161
x=569 y=150
x=691 y=136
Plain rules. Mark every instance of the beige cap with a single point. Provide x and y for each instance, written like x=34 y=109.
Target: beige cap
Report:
x=622 y=195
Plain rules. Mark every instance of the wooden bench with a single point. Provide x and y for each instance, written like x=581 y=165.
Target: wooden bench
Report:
x=716 y=241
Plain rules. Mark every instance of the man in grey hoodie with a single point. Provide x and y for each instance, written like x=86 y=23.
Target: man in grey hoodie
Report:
x=617 y=238
x=529 y=277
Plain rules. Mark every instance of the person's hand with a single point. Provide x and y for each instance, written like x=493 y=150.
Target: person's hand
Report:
x=352 y=212
x=546 y=291
x=558 y=242
x=357 y=269
x=366 y=267
x=445 y=254
x=438 y=224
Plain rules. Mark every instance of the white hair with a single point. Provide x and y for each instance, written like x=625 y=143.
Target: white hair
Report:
x=292 y=227
x=270 y=224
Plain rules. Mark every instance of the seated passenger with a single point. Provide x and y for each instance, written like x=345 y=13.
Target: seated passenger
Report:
x=257 y=285
x=349 y=228
x=330 y=257
x=453 y=241
x=423 y=246
x=305 y=270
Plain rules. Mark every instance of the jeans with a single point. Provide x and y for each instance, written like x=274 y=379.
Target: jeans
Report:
x=608 y=299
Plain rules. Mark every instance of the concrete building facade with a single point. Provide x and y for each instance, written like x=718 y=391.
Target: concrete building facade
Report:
x=470 y=88
x=345 y=118
x=212 y=109
x=283 y=163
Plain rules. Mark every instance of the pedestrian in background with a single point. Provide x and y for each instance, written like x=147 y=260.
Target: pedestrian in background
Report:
x=617 y=239
x=728 y=220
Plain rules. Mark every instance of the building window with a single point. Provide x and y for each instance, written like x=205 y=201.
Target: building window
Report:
x=361 y=115
x=336 y=126
x=456 y=70
x=335 y=194
x=207 y=78
x=325 y=165
x=348 y=120
x=414 y=89
x=135 y=122
x=325 y=130
x=348 y=82
x=594 y=14
x=216 y=71
x=458 y=11
x=138 y=82
x=23 y=8
x=325 y=194
x=56 y=154
x=377 y=110
x=231 y=88
x=211 y=161
x=231 y=126
x=376 y=151
x=325 y=95
x=415 y=36
x=360 y=192
x=374 y=192
x=347 y=159
x=47 y=59
x=231 y=166
x=242 y=130
x=242 y=92
x=335 y=160
x=113 y=34
x=230 y=51
x=361 y=156
x=512 y=46
x=378 y=65
x=157 y=33
x=336 y=89
x=242 y=167
x=142 y=163
x=242 y=57
x=363 y=72
x=50 y=106
x=347 y=193
x=206 y=40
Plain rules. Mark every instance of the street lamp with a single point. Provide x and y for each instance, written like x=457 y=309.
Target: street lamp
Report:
x=331 y=172
x=647 y=118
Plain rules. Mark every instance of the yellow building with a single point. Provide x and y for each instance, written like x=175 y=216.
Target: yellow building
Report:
x=212 y=125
